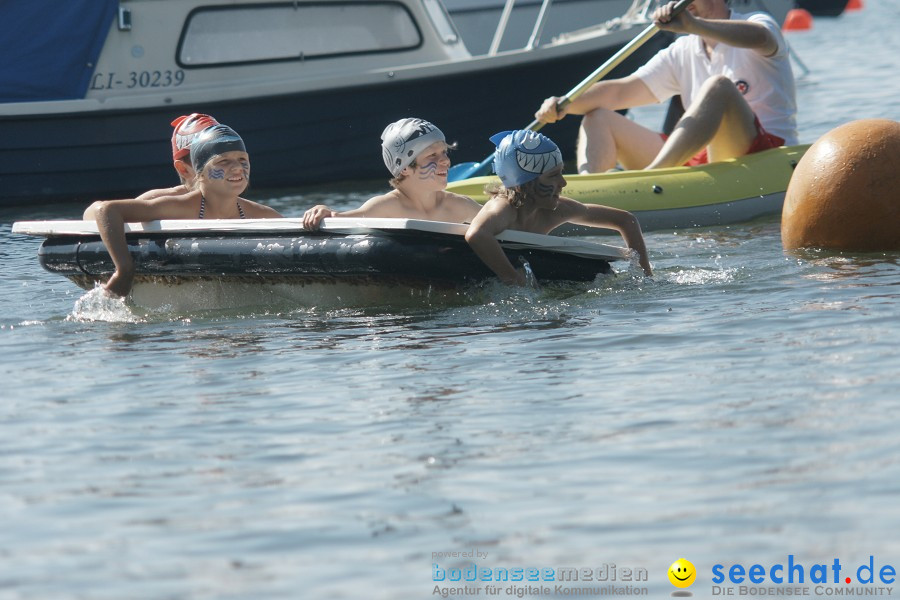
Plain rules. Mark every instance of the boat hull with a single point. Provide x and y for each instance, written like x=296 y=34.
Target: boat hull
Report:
x=293 y=138
x=722 y=193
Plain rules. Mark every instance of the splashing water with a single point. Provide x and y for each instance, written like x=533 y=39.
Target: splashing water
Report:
x=702 y=276
x=530 y=279
x=98 y=305
x=634 y=263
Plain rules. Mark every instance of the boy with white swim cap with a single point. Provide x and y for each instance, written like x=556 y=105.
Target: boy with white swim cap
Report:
x=415 y=152
x=530 y=166
x=222 y=168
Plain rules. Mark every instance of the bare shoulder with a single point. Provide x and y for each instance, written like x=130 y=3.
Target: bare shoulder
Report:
x=183 y=206
x=384 y=205
x=255 y=210
x=458 y=208
x=568 y=208
x=496 y=215
x=178 y=190
x=460 y=199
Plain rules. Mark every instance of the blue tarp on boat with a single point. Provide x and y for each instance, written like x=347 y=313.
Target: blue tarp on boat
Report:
x=49 y=47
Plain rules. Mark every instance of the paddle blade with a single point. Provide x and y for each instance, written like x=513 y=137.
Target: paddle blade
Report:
x=470 y=169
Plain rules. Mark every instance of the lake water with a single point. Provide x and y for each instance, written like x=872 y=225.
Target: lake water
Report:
x=740 y=407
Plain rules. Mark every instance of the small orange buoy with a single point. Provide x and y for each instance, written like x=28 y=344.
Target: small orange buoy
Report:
x=845 y=192
x=854 y=5
x=797 y=19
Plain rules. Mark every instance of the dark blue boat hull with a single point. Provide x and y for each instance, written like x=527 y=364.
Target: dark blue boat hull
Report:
x=293 y=140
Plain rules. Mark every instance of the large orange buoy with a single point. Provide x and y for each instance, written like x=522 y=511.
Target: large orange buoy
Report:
x=797 y=19
x=845 y=192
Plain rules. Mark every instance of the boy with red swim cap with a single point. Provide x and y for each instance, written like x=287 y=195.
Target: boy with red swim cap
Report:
x=186 y=128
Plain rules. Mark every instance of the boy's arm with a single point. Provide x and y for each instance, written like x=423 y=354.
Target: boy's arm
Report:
x=611 y=218
x=615 y=94
x=494 y=218
x=737 y=33
x=379 y=206
x=111 y=217
x=90 y=212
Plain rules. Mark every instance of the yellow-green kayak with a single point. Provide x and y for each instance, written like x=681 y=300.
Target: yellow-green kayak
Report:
x=730 y=191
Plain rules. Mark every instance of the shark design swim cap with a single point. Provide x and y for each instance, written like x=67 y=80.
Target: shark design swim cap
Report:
x=214 y=141
x=186 y=128
x=403 y=140
x=523 y=155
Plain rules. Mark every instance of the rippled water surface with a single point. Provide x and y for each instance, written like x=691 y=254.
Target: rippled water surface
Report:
x=739 y=407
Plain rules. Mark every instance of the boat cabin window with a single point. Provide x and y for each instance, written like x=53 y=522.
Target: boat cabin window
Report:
x=223 y=35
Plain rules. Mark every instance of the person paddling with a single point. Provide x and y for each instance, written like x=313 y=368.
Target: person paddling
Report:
x=415 y=152
x=734 y=76
x=530 y=167
x=222 y=166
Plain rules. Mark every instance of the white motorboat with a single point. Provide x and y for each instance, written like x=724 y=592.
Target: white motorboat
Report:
x=87 y=91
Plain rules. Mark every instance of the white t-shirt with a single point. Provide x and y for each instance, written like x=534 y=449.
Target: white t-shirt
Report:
x=767 y=82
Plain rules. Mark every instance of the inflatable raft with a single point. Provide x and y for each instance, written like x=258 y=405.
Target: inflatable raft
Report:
x=721 y=193
x=230 y=263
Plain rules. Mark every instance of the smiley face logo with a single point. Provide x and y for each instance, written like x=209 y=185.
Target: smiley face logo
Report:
x=682 y=573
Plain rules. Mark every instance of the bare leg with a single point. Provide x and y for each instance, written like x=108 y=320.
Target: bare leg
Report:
x=606 y=137
x=718 y=118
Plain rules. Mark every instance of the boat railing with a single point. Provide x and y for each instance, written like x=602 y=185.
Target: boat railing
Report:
x=639 y=10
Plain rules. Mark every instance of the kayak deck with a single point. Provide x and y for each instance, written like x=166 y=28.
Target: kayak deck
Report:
x=720 y=193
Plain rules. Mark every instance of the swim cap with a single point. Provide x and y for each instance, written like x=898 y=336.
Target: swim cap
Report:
x=213 y=141
x=405 y=139
x=186 y=128
x=523 y=155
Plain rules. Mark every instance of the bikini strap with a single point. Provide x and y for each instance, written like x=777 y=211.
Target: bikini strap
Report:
x=203 y=207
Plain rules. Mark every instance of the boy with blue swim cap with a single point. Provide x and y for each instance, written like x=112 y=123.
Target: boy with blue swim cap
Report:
x=522 y=156
x=530 y=166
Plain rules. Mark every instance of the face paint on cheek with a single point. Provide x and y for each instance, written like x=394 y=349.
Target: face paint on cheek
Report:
x=246 y=170
x=216 y=173
x=544 y=190
x=428 y=171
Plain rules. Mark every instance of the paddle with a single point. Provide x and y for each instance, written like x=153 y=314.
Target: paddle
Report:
x=471 y=169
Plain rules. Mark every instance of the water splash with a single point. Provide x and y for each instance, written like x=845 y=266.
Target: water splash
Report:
x=98 y=305
x=635 y=270
x=530 y=280
x=701 y=276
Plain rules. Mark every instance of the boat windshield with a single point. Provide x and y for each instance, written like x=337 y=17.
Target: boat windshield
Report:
x=257 y=33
